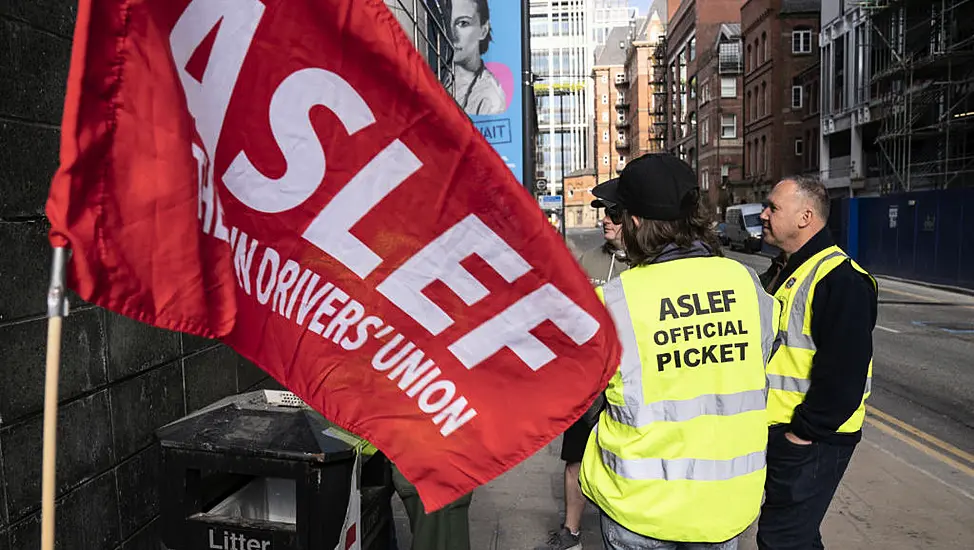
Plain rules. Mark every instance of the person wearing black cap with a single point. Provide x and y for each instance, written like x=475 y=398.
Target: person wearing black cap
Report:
x=602 y=263
x=677 y=458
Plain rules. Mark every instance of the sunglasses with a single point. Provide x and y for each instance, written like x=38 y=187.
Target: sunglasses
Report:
x=614 y=214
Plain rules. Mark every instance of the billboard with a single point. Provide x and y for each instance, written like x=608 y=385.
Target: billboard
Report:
x=487 y=60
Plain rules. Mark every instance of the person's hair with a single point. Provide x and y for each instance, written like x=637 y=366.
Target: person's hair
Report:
x=815 y=192
x=647 y=240
x=483 y=11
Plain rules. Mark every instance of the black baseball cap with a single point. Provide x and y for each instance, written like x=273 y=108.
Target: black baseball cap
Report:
x=655 y=186
x=604 y=192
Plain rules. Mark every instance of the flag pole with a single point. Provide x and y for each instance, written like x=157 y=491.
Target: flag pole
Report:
x=57 y=309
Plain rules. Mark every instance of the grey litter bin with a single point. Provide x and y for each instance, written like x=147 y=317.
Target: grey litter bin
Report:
x=261 y=471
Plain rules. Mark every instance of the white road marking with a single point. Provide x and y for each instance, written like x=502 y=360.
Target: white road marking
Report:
x=894 y=331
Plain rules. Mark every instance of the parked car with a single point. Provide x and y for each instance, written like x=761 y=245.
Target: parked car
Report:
x=743 y=227
x=722 y=233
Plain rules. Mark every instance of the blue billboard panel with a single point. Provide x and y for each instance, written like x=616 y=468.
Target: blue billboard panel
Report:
x=487 y=67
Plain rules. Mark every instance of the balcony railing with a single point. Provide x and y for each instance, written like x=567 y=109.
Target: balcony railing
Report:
x=622 y=144
x=622 y=103
x=622 y=122
x=730 y=66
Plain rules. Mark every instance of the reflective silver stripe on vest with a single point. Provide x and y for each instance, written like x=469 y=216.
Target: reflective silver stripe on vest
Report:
x=788 y=383
x=695 y=469
x=635 y=412
x=801 y=385
x=630 y=367
x=688 y=409
x=793 y=336
x=766 y=304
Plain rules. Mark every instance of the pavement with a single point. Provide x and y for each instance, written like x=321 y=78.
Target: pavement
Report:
x=910 y=484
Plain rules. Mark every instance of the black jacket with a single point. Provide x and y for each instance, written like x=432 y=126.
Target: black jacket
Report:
x=843 y=317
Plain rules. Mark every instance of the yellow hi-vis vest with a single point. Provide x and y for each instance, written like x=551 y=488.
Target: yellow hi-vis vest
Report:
x=679 y=452
x=790 y=370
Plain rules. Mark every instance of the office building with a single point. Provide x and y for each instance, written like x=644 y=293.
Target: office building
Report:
x=563 y=42
x=778 y=92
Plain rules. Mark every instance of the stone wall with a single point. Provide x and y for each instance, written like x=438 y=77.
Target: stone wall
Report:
x=120 y=380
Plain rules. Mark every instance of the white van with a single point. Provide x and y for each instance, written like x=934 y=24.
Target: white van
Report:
x=744 y=226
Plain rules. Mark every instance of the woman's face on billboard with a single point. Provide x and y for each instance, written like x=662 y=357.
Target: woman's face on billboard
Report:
x=468 y=31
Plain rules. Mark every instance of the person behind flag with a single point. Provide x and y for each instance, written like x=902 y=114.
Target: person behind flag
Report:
x=445 y=529
x=602 y=263
x=677 y=458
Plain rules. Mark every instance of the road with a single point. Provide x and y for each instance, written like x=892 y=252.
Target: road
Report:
x=923 y=370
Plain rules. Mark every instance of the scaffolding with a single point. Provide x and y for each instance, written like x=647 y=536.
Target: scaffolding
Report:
x=922 y=60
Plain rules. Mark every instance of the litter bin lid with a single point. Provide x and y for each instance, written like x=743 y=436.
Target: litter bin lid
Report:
x=248 y=424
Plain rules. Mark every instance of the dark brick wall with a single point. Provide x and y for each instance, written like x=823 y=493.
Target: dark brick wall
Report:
x=120 y=380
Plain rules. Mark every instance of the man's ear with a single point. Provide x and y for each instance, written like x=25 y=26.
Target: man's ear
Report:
x=806 y=217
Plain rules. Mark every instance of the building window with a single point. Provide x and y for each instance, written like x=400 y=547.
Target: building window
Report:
x=605 y=160
x=799 y=147
x=796 y=97
x=724 y=172
x=704 y=180
x=801 y=41
x=728 y=87
x=605 y=136
x=728 y=126
x=764 y=46
x=605 y=116
x=750 y=59
x=605 y=99
x=704 y=131
x=763 y=100
x=764 y=155
x=693 y=87
x=605 y=79
x=693 y=48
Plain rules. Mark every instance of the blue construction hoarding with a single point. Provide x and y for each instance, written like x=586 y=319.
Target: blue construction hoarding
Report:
x=925 y=236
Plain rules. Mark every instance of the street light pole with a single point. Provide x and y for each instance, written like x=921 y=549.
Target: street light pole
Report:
x=561 y=139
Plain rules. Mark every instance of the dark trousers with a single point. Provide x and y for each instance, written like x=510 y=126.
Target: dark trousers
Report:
x=801 y=482
x=446 y=529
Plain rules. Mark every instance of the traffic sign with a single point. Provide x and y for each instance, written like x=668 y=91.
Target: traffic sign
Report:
x=550 y=202
x=541 y=185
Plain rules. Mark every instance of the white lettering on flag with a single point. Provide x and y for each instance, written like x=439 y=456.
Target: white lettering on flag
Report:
x=511 y=328
x=440 y=260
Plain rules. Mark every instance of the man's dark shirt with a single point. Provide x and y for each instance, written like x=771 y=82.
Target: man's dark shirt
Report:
x=843 y=317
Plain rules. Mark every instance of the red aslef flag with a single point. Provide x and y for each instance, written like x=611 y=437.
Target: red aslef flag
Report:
x=290 y=177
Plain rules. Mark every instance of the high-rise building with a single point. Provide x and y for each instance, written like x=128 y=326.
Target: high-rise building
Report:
x=641 y=100
x=704 y=88
x=564 y=36
x=779 y=121
x=611 y=116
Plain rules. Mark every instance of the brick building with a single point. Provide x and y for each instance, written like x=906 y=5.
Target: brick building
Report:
x=703 y=95
x=611 y=104
x=578 y=199
x=779 y=90
x=641 y=76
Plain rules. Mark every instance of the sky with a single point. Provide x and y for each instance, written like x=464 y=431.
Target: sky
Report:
x=643 y=5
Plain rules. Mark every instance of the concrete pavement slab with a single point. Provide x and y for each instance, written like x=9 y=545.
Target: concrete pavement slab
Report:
x=887 y=501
